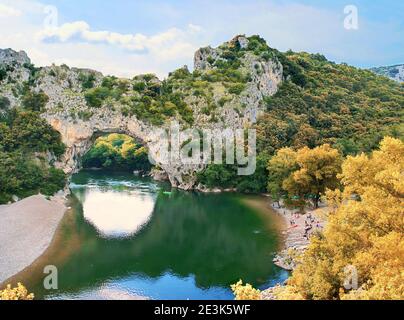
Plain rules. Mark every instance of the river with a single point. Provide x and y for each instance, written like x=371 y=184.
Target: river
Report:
x=126 y=237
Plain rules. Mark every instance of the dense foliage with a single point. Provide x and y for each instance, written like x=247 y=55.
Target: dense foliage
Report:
x=117 y=152
x=4 y=103
x=17 y=293
x=303 y=175
x=145 y=96
x=320 y=102
x=26 y=141
x=225 y=176
x=245 y=292
x=349 y=108
x=34 y=101
x=365 y=232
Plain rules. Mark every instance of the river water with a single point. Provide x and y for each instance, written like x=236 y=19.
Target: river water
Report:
x=132 y=238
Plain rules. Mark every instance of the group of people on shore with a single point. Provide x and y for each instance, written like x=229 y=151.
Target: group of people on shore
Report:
x=310 y=222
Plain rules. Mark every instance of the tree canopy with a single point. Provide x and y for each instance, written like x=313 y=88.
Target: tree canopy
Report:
x=117 y=152
x=26 y=142
x=304 y=174
x=365 y=232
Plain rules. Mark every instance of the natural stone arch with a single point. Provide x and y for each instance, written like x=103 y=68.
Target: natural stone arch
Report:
x=78 y=136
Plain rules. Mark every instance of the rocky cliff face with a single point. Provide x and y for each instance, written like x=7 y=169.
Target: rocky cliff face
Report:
x=215 y=101
x=265 y=77
x=15 y=66
x=395 y=73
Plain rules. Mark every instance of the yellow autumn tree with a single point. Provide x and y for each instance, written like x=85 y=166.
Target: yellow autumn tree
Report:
x=279 y=168
x=245 y=292
x=305 y=173
x=364 y=233
x=17 y=293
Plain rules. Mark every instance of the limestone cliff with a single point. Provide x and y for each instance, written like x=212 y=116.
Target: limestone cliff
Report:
x=226 y=90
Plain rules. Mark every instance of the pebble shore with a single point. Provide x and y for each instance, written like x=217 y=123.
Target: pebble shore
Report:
x=27 y=229
x=297 y=237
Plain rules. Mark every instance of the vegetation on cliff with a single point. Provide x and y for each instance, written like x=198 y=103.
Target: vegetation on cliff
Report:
x=349 y=108
x=321 y=102
x=145 y=96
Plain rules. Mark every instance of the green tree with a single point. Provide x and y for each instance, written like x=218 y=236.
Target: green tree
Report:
x=117 y=152
x=4 y=103
x=96 y=96
x=35 y=101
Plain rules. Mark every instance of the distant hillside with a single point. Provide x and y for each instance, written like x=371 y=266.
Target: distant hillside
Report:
x=395 y=73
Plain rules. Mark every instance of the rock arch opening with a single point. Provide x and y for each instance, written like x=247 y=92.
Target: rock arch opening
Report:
x=116 y=152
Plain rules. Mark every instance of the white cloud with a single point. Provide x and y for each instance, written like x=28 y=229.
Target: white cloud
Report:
x=78 y=45
x=7 y=11
x=81 y=31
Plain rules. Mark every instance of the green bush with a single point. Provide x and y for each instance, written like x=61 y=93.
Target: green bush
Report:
x=109 y=82
x=96 y=96
x=226 y=176
x=87 y=80
x=139 y=86
x=237 y=88
x=3 y=74
x=84 y=115
x=35 y=101
x=24 y=177
x=4 y=103
x=22 y=171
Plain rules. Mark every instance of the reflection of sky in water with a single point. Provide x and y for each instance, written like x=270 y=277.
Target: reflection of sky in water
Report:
x=138 y=287
x=167 y=286
x=116 y=208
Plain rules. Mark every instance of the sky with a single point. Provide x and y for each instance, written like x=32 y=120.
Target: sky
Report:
x=129 y=37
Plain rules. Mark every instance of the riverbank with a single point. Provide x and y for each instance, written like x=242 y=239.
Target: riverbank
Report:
x=297 y=235
x=299 y=229
x=295 y=228
x=27 y=229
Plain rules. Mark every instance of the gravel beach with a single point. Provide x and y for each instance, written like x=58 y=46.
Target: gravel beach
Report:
x=297 y=237
x=27 y=228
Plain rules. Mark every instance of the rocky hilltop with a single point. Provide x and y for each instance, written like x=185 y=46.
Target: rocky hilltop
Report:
x=395 y=73
x=226 y=90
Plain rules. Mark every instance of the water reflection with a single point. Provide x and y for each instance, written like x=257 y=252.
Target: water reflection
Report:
x=179 y=246
x=116 y=214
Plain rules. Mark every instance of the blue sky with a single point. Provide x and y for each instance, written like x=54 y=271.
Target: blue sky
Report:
x=128 y=37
